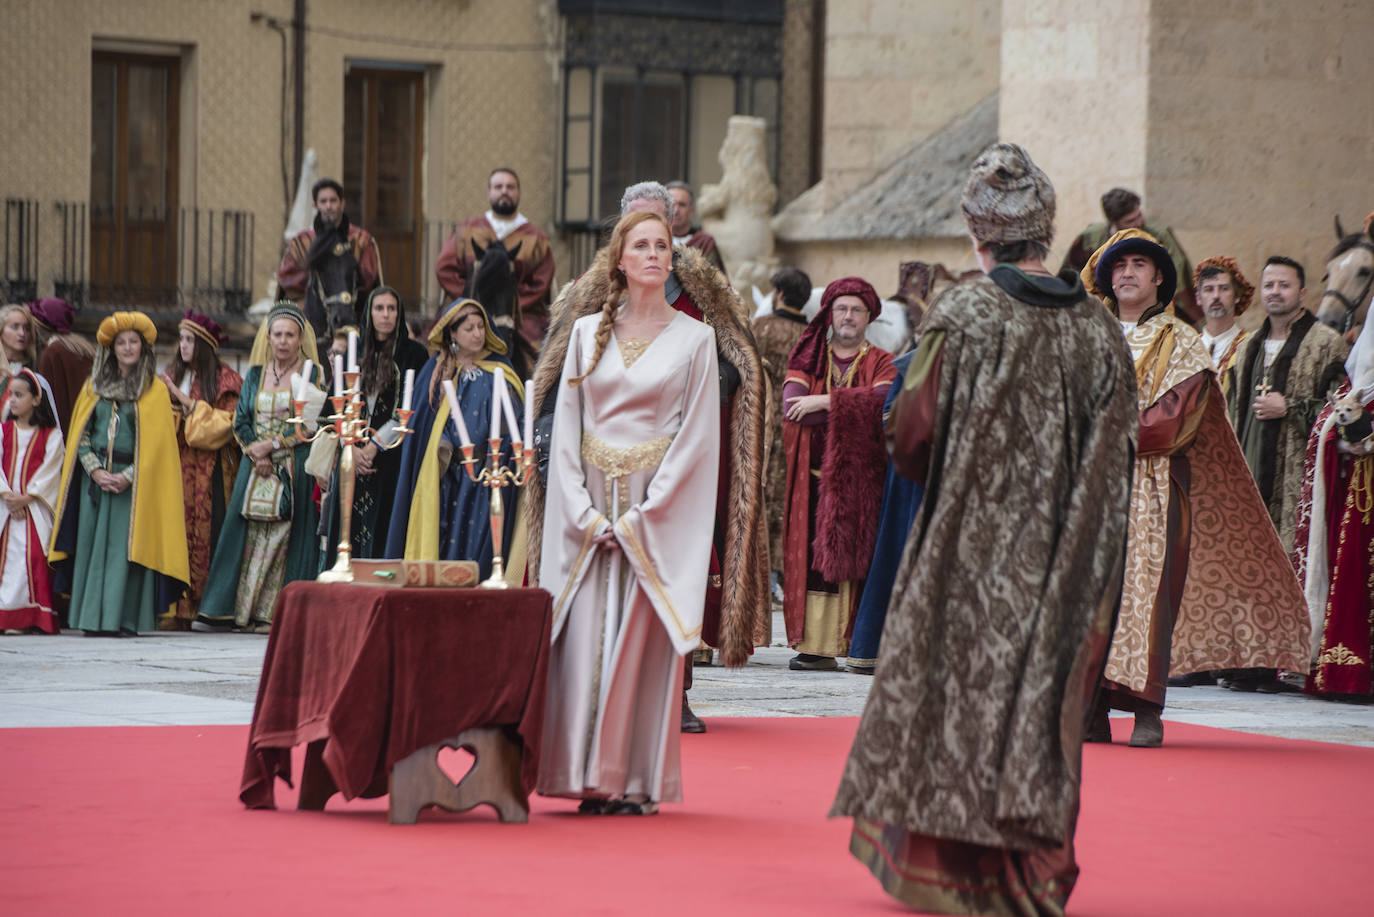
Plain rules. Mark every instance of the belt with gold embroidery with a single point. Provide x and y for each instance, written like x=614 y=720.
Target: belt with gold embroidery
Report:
x=617 y=461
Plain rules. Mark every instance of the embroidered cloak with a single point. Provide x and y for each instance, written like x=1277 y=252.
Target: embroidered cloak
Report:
x=776 y=335
x=1018 y=414
x=1335 y=537
x=1306 y=370
x=1200 y=537
x=207 y=476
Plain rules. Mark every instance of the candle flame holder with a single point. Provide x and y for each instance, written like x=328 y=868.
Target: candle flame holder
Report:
x=348 y=429
x=495 y=476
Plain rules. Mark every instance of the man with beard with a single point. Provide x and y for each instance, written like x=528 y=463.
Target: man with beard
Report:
x=832 y=401
x=1280 y=384
x=503 y=223
x=684 y=203
x=737 y=614
x=331 y=237
x=1207 y=583
x=1222 y=294
x=1122 y=210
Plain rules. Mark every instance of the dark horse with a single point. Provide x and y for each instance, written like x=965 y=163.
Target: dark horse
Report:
x=492 y=282
x=333 y=294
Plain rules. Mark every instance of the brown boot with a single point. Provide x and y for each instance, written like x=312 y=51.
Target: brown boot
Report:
x=690 y=721
x=1149 y=730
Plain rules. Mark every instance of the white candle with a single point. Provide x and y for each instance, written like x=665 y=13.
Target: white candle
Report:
x=305 y=379
x=508 y=408
x=338 y=376
x=352 y=351
x=529 y=414
x=410 y=385
x=498 y=387
x=455 y=413
x=296 y=391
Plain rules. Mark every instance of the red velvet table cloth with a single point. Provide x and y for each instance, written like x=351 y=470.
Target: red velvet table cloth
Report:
x=378 y=673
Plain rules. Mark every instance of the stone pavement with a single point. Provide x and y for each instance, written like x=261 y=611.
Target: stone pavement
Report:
x=211 y=679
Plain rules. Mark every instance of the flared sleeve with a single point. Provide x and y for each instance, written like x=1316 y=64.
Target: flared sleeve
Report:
x=667 y=536
x=45 y=484
x=571 y=522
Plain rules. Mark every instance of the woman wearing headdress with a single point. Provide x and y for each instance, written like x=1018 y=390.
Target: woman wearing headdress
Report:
x=18 y=341
x=205 y=393
x=627 y=533
x=387 y=352
x=64 y=358
x=440 y=514
x=119 y=538
x=268 y=538
x=30 y=471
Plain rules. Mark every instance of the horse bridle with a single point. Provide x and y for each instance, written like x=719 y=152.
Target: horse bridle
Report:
x=1353 y=306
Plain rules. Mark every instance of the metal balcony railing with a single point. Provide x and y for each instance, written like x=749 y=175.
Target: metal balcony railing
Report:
x=19 y=257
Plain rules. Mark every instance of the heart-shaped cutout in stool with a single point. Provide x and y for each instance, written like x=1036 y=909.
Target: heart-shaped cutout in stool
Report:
x=456 y=762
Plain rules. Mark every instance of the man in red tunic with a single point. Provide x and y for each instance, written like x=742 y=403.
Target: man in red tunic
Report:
x=833 y=434
x=504 y=223
x=331 y=237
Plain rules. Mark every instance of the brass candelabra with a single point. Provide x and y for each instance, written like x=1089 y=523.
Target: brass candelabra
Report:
x=347 y=427
x=495 y=476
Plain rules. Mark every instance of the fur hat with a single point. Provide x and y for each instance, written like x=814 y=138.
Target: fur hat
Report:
x=1008 y=198
x=1244 y=290
x=1097 y=273
x=125 y=321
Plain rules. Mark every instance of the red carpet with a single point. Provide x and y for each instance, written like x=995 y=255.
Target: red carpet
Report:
x=146 y=821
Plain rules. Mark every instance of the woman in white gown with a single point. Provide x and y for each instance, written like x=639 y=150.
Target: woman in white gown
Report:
x=627 y=533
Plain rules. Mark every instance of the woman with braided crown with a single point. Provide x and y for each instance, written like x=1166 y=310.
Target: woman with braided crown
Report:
x=627 y=533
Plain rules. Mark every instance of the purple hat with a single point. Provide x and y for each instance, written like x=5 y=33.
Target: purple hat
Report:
x=55 y=314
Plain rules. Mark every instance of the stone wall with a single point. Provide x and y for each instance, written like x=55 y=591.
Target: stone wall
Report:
x=484 y=107
x=878 y=262
x=896 y=72
x=1244 y=128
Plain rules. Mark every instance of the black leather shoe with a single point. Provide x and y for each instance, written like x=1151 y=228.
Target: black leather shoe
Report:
x=1192 y=680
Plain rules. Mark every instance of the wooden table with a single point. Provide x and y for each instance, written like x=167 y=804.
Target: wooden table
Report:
x=375 y=682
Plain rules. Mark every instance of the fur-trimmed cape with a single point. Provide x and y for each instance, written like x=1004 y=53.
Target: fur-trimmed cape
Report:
x=744 y=563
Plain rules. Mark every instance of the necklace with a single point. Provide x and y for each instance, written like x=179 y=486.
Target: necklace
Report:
x=276 y=373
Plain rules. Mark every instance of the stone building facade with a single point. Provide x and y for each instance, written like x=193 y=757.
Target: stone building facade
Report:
x=151 y=146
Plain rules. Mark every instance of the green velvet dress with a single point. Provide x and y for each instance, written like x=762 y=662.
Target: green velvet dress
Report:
x=109 y=594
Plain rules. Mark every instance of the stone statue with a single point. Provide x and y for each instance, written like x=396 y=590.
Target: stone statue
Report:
x=737 y=210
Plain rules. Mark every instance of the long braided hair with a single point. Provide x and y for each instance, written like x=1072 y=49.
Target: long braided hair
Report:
x=618 y=284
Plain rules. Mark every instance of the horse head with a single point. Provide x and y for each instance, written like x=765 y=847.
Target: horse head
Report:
x=335 y=303
x=1348 y=280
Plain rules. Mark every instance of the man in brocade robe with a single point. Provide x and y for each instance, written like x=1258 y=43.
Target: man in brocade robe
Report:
x=503 y=223
x=1335 y=536
x=832 y=401
x=1279 y=384
x=1018 y=414
x=737 y=615
x=1197 y=596
x=684 y=205
x=332 y=236
x=776 y=334
x=1122 y=211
